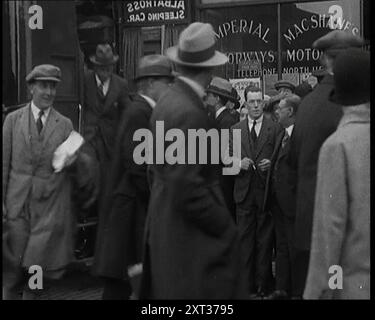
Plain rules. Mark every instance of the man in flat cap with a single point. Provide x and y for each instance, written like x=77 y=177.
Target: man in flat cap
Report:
x=341 y=223
x=120 y=244
x=106 y=96
x=219 y=92
x=284 y=86
x=37 y=211
x=317 y=118
x=191 y=242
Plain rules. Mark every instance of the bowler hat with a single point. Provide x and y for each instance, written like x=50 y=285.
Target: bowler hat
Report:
x=284 y=84
x=221 y=87
x=196 y=47
x=351 y=74
x=103 y=55
x=154 y=65
x=337 y=40
x=45 y=72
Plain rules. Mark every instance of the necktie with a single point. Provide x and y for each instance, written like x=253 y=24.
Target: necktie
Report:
x=101 y=89
x=39 y=123
x=285 y=139
x=253 y=134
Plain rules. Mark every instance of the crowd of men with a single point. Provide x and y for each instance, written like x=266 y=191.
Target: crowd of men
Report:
x=299 y=197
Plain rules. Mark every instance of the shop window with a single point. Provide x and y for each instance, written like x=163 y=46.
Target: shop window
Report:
x=248 y=36
x=303 y=23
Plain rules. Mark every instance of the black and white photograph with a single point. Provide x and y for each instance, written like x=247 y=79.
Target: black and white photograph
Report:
x=194 y=150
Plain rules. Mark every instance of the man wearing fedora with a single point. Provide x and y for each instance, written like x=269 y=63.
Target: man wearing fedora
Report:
x=317 y=118
x=37 y=212
x=219 y=93
x=127 y=193
x=341 y=222
x=191 y=242
x=106 y=96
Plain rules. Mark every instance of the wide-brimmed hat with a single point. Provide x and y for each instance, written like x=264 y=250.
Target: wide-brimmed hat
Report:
x=154 y=65
x=351 y=74
x=284 y=84
x=337 y=40
x=196 y=47
x=44 y=72
x=104 y=55
x=221 y=87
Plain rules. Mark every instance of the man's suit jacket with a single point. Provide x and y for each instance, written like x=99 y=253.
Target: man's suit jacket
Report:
x=192 y=244
x=280 y=183
x=46 y=237
x=317 y=118
x=254 y=179
x=119 y=242
x=341 y=225
x=101 y=119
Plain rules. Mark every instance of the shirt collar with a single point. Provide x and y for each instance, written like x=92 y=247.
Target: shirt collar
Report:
x=290 y=130
x=198 y=89
x=150 y=101
x=98 y=81
x=218 y=112
x=35 y=110
x=259 y=120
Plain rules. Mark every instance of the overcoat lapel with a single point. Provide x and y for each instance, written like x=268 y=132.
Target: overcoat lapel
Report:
x=263 y=136
x=111 y=95
x=245 y=138
x=50 y=125
x=24 y=123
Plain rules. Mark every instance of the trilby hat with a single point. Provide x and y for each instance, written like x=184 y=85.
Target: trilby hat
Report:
x=104 y=55
x=196 y=47
x=337 y=40
x=221 y=87
x=44 y=72
x=154 y=65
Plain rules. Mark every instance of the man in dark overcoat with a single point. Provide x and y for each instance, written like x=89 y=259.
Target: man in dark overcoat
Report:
x=106 y=97
x=317 y=118
x=280 y=198
x=219 y=92
x=192 y=244
x=128 y=193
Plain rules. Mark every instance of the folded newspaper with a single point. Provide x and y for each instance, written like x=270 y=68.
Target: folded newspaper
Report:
x=65 y=153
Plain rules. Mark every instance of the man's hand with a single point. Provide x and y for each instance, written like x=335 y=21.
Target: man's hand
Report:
x=246 y=163
x=264 y=164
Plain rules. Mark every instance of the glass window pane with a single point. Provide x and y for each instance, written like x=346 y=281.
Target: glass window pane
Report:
x=303 y=23
x=248 y=36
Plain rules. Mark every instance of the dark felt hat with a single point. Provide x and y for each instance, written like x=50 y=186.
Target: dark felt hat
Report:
x=351 y=73
x=284 y=84
x=221 y=87
x=154 y=65
x=45 y=72
x=338 y=40
x=104 y=55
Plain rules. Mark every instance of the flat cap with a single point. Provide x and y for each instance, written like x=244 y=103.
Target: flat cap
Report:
x=338 y=39
x=221 y=87
x=284 y=84
x=46 y=72
x=154 y=65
